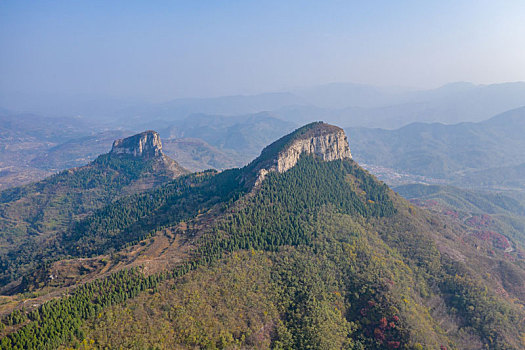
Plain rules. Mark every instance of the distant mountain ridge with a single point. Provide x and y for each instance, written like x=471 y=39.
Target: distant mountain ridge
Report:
x=35 y=152
x=246 y=134
x=76 y=152
x=441 y=151
x=347 y=104
x=351 y=104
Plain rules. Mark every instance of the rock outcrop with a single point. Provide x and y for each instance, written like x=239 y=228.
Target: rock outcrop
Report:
x=325 y=141
x=146 y=145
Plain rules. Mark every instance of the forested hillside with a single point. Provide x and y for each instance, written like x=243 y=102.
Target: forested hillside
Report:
x=321 y=256
x=31 y=216
x=496 y=220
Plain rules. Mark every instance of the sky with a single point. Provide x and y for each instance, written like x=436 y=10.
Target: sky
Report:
x=161 y=50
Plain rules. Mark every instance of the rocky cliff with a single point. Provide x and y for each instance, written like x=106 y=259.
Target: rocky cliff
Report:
x=146 y=145
x=325 y=141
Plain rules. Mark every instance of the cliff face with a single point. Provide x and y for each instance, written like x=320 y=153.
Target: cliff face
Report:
x=330 y=146
x=324 y=141
x=146 y=145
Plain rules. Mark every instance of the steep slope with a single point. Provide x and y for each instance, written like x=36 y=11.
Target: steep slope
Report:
x=324 y=141
x=319 y=254
x=33 y=214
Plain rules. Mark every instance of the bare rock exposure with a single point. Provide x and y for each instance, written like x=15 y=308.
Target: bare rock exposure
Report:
x=146 y=144
x=328 y=142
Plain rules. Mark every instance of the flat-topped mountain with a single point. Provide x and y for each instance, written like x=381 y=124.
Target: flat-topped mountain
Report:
x=38 y=211
x=146 y=144
x=319 y=255
x=324 y=141
x=147 y=147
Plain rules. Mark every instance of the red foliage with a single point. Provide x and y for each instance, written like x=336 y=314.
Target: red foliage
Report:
x=392 y=325
x=383 y=323
x=393 y=344
x=497 y=239
x=395 y=318
x=480 y=221
x=378 y=334
x=442 y=347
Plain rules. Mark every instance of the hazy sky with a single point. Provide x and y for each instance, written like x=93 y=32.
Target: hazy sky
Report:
x=166 y=49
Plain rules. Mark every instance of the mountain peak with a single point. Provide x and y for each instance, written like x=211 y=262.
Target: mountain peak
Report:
x=325 y=141
x=146 y=145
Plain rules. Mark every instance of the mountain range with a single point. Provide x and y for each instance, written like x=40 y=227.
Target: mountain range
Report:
x=484 y=154
x=35 y=146
x=301 y=248
x=351 y=105
x=347 y=104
